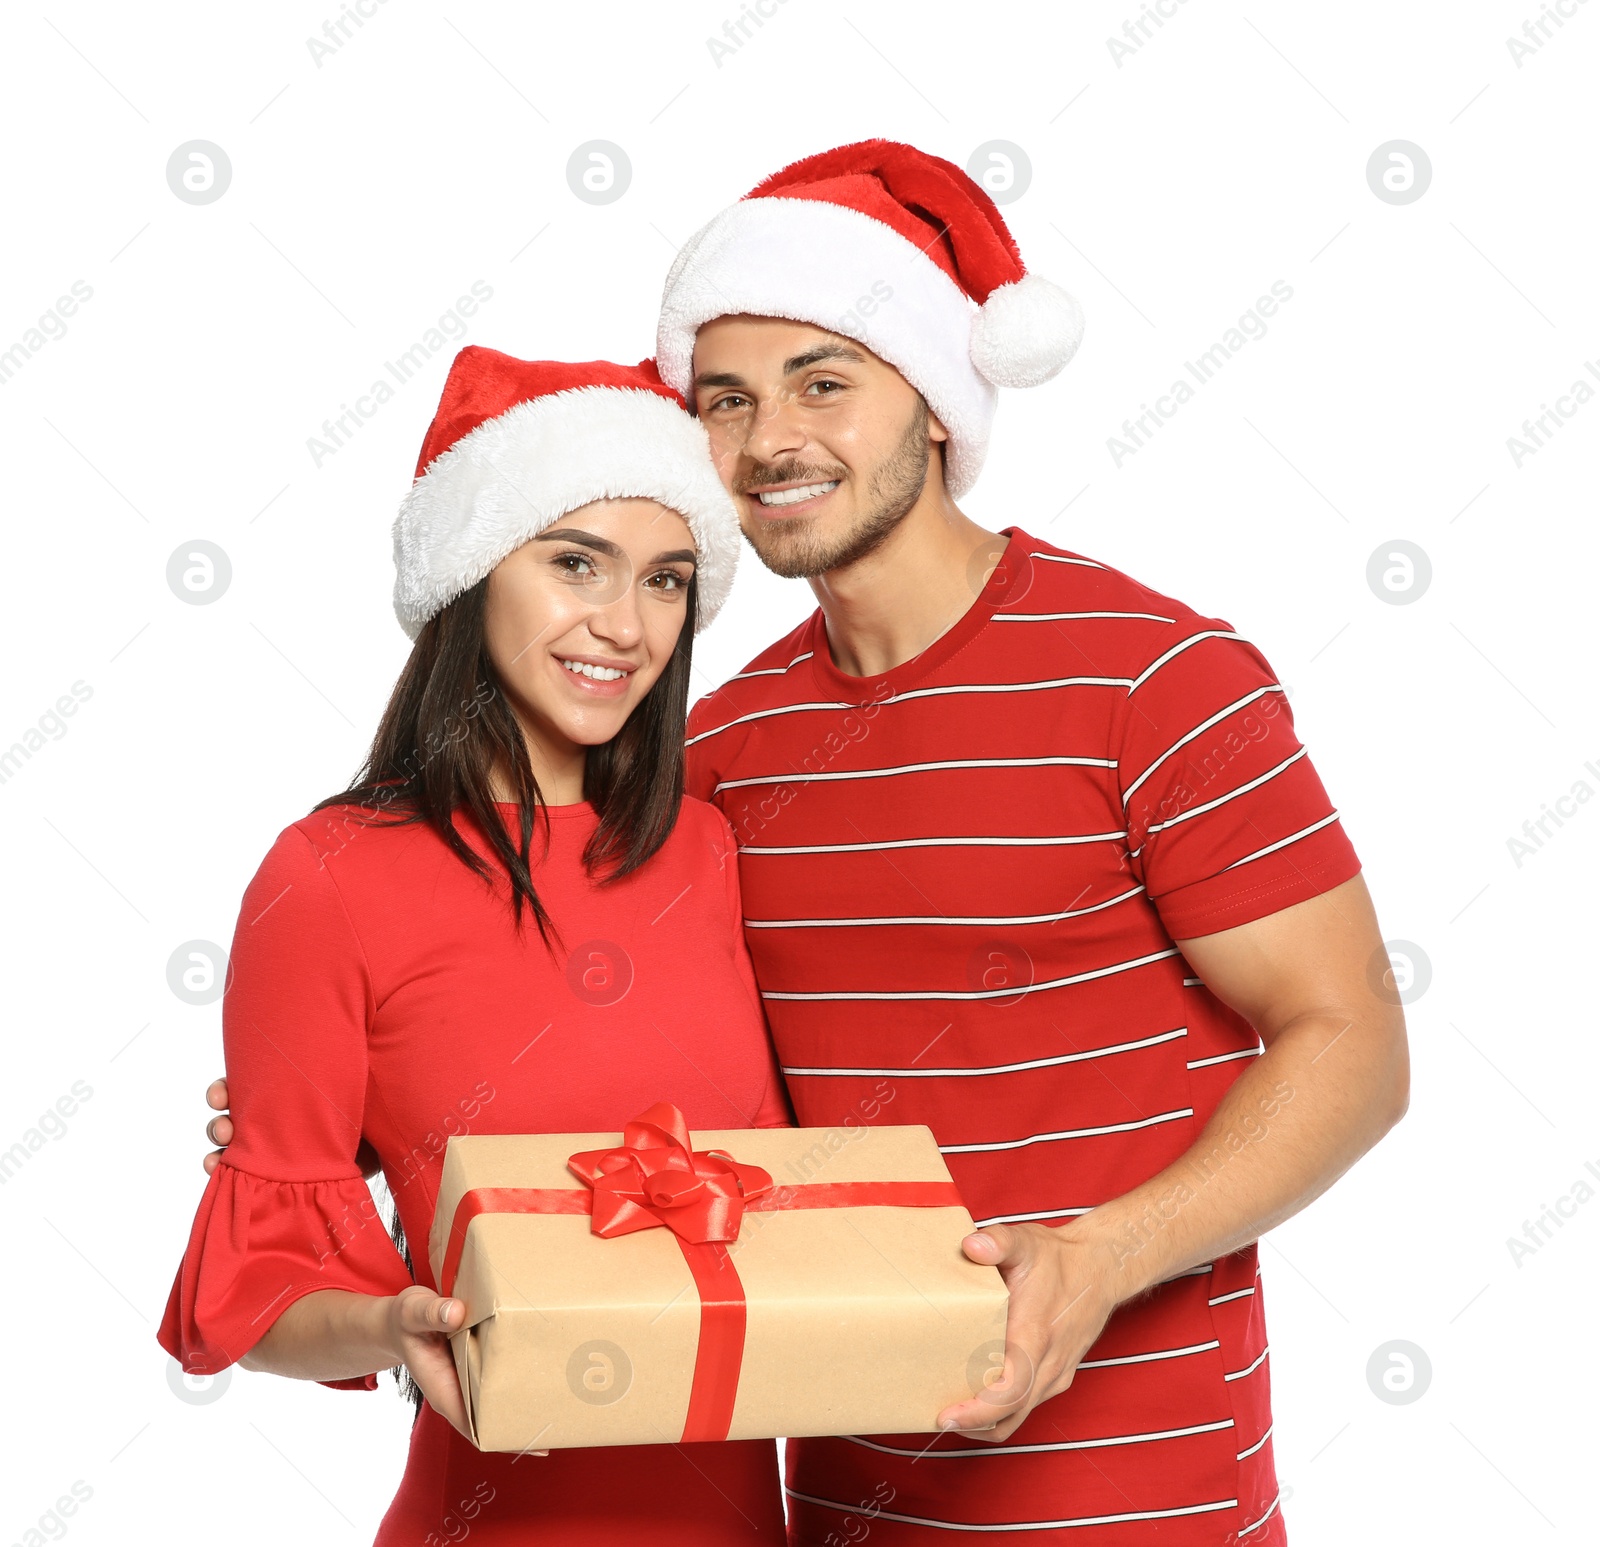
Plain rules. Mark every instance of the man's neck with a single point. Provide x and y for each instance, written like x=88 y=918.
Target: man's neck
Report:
x=890 y=606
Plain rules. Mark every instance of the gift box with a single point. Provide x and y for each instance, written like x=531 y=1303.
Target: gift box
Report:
x=657 y=1286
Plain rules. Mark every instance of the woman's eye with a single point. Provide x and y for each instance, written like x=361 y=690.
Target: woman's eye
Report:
x=576 y=564
x=668 y=580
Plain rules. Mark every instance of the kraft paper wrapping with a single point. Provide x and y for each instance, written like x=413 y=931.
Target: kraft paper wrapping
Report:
x=858 y=1320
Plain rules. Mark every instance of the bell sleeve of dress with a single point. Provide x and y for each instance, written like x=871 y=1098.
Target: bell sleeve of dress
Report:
x=287 y=1210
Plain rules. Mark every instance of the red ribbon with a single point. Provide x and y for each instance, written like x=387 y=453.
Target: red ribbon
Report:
x=653 y=1178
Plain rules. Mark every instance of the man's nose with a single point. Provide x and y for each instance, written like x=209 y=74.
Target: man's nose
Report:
x=777 y=429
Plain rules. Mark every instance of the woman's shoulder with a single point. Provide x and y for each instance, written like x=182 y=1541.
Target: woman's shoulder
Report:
x=346 y=835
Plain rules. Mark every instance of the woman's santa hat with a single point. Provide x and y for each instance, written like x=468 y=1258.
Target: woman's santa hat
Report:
x=901 y=250
x=517 y=444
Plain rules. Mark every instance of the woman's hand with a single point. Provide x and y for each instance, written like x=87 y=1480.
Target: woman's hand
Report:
x=418 y=1330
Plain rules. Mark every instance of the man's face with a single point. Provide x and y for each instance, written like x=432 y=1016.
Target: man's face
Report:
x=824 y=446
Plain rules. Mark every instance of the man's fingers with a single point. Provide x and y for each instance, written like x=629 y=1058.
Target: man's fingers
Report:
x=994 y=1244
x=1010 y=1389
x=217 y=1094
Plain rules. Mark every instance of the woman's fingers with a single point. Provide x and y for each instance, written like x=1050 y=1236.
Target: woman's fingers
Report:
x=217 y=1094
x=423 y=1321
x=434 y=1370
x=420 y=1310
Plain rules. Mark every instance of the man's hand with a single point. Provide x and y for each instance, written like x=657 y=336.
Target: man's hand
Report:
x=1332 y=1079
x=1060 y=1300
x=220 y=1131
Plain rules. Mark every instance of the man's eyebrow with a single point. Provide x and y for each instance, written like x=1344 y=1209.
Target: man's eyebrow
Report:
x=794 y=363
x=820 y=353
x=570 y=534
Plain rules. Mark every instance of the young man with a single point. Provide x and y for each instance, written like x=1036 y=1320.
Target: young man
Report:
x=1029 y=853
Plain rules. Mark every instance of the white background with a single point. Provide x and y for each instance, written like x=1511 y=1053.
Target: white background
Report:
x=1229 y=151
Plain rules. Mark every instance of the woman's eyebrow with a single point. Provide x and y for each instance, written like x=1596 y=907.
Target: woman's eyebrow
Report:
x=604 y=545
x=567 y=534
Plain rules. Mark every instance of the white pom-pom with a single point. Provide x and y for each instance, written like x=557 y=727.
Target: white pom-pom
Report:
x=1025 y=332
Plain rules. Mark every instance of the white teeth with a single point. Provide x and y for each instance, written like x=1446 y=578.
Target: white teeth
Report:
x=598 y=673
x=794 y=496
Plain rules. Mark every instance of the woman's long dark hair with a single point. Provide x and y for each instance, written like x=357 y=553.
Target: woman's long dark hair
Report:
x=447 y=728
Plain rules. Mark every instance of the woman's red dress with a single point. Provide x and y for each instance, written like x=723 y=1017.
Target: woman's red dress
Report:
x=379 y=990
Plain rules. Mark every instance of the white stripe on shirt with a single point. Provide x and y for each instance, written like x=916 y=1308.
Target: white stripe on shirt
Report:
x=904 y=768
x=1178 y=649
x=1020 y=1219
x=1200 y=730
x=973 y=842
x=1244 y=1455
x=1238 y=1294
x=1061 y=617
x=1255 y=1525
x=1015 y=1068
x=913 y=918
x=1162 y=1353
x=875 y=1513
x=992 y=993
x=771 y=671
x=1068 y=1133
x=1019 y=1450
x=1227 y=1058
x=1061 y=558
x=914 y=693
x=1222 y=800
x=1249 y=1369
x=1283 y=843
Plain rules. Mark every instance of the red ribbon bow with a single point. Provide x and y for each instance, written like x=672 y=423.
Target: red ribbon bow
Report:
x=653 y=1178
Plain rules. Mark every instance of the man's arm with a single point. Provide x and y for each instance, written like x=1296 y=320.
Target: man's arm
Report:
x=1335 y=1077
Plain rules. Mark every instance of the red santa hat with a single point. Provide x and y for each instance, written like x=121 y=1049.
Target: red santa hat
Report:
x=901 y=250
x=516 y=444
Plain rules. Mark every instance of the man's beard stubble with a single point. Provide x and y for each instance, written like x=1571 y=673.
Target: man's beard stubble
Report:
x=794 y=549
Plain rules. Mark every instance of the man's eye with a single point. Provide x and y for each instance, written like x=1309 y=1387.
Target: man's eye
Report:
x=825 y=388
x=726 y=401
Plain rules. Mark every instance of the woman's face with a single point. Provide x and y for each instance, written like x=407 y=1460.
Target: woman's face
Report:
x=582 y=620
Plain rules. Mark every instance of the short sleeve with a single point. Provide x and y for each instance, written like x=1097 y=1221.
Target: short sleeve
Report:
x=287 y=1210
x=1227 y=819
x=774 y=1111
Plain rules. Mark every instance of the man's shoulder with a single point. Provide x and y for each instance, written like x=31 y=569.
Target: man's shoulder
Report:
x=1062 y=579
x=1087 y=608
x=772 y=677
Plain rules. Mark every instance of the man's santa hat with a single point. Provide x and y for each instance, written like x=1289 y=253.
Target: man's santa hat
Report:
x=517 y=444
x=901 y=250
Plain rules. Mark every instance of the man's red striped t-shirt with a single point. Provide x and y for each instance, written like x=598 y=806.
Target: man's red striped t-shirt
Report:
x=962 y=882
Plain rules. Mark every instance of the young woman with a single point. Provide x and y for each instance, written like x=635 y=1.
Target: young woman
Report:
x=514 y=922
